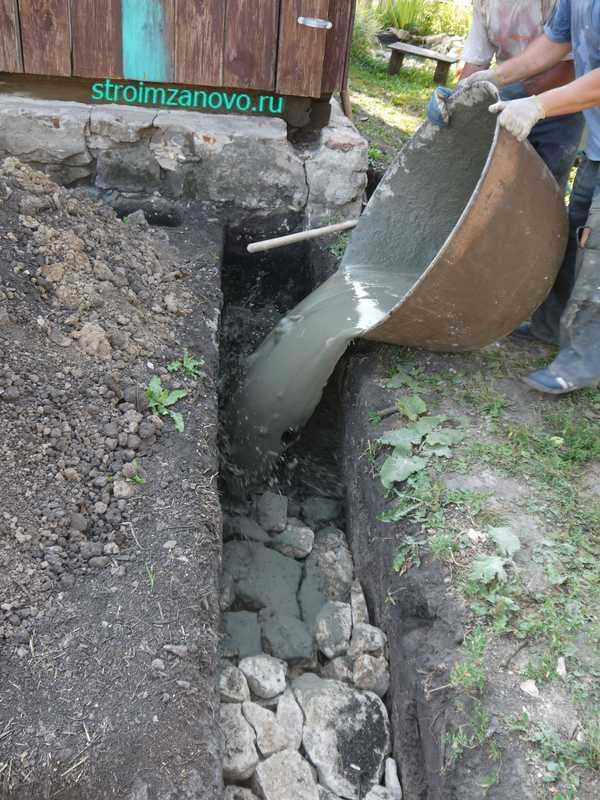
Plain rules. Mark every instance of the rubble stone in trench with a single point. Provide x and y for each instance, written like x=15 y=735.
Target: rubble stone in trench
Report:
x=296 y=541
x=318 y=511
x=360 y=612
x=367 y=639
x=378 y=793
x=271 y=511
x=239 y=752
x=263 y=578
x=371 y=674
x=242 y=634
x=238 y=793
x=233 y=686
x=392 y=782
x=285 y=776
x=327 y=574
x=286 y=637
x=338 y=669
x=333 y=628
x=342 y=727
x=291 y=719
x=265 y=675
x=270 y=736
x=243 y=528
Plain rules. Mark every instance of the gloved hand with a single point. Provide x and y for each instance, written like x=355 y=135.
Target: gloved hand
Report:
x=519 y=116
x=489 y=75
x=437 y=109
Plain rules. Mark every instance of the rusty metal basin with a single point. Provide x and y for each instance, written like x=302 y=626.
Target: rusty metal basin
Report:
x=474 y=219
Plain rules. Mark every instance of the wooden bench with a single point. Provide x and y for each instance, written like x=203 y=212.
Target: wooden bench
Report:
x=400 y=49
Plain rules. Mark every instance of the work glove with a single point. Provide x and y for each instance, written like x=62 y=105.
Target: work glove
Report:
x=519 y=116
x=489 y=75
x=437 y=109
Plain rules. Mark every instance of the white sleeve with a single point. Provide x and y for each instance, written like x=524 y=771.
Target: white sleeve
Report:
x=478 y=49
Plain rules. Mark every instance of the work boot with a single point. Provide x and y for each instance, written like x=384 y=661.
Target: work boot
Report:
x=527 y=332
x=577 y=365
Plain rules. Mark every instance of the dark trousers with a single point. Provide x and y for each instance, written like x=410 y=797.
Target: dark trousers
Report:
x=571 y=313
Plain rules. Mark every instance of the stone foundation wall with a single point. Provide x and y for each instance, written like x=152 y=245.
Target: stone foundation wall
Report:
x=245 y=167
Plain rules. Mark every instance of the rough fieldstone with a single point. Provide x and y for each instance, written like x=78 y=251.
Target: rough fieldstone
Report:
x=233 y=686
x=44 y=132
x=327 y=574
x=342 y=727
x=333 y=628
x=367 y=639
x=265 y=675
x=391 y=780
x=243 y=528
x=378 y=793
x=338 y=669
x=286 y=776
x=263 y=578
x=227 y=595
x=291 y=719
x=117 y=124
x=360 y=612
x=336 y=173
x=238 y=793
x=318 y=511
x=296 y=541
x=271 y=510
x=325 y=794
x=130 y=169
x=286 y=637
x=270 y=736
x=242 y=634
x=239 y=752
x=371 y=674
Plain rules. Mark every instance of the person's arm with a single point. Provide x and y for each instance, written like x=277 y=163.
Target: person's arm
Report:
x=470 y=69
x=576 y=96
x=541 y=55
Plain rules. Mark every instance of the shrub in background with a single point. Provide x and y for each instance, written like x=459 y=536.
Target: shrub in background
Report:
x=367 y=23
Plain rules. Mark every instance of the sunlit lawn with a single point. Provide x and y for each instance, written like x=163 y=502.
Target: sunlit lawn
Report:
x=393 y=105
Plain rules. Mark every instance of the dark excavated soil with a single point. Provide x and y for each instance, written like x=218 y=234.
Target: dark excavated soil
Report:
x=108 y=586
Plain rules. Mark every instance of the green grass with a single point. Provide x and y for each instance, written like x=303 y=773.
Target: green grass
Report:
x=394 y=104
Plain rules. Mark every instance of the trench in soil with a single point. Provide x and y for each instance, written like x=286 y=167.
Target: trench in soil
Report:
x=257 y=292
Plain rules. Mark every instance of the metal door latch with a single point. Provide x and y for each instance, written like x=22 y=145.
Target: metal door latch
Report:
x=315 y=22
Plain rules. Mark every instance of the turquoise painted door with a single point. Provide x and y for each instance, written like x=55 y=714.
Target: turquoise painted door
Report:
x=147 y=40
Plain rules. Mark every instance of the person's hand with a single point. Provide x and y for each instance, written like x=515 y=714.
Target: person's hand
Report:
x=519 y=116
x=489 y=75
x=437 y=109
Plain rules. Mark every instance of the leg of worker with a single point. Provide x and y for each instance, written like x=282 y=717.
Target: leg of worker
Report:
x=545 y=322
x=578 y=362
x=557 y=140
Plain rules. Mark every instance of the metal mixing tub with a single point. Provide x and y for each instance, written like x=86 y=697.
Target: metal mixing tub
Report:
x=475 y=219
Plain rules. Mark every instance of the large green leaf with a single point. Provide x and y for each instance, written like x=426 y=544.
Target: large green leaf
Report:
x=174 y=396
x=506 y=540
x=401 y=438
x=411 y=406
x=445 y=438
x=426 y=424
x=488 y=568
x=397 y=468
x=399 y=379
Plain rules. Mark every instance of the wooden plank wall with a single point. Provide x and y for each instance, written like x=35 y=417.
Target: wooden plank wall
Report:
x=200 y=38
x=45 y=36
x=301 y=49
x=341 y=13
x=251 y=43
x=248 y=44
x=96 y=38
x=10 y=38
